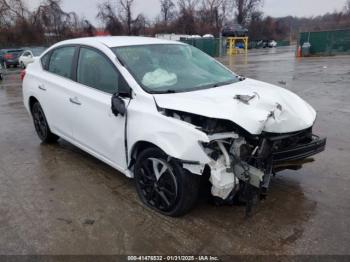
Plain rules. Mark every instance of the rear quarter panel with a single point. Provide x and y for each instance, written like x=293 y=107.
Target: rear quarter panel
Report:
x=30 y=84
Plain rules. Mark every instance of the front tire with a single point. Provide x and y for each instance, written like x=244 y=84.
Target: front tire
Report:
x=163 y=184
x=41 y=126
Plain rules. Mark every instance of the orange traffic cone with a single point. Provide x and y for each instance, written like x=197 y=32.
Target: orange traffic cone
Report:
x=299 y=52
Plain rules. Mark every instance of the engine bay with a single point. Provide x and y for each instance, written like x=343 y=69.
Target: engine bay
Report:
x=242 y=165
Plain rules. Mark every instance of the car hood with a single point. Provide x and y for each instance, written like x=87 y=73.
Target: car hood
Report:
x=253 y=105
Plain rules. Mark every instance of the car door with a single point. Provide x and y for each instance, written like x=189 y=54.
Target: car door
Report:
x=55 y=89
x=95 y=127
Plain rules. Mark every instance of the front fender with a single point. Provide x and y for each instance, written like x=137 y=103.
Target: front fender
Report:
x=176 y=138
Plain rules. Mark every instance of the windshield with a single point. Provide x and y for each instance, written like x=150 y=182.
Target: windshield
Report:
x=171 y=68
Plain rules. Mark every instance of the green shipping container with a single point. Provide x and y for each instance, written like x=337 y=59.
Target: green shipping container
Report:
x=283 y=43
x=211 y=46
x=327 y=42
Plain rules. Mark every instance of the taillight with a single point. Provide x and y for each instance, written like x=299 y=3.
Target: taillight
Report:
x=22 y=74
x=8 y=56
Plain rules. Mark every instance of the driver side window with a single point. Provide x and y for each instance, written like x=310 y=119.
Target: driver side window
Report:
x=96 y=71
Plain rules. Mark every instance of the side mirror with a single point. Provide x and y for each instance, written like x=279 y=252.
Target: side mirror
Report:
x=118 y=105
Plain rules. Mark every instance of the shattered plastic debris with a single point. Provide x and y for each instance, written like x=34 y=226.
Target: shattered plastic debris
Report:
x=89 y=222
x=245 y=98
x=282 y=82
x=67 y=221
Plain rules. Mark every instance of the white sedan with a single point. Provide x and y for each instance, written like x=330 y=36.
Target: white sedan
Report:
x=29 y=56
x=169 y=116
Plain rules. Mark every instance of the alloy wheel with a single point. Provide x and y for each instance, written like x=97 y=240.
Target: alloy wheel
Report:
x=158 y=184
x=39 y=121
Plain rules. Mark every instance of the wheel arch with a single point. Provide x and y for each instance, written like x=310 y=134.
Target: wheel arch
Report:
x=31 y=101
x=192 y=166
x=138 y=147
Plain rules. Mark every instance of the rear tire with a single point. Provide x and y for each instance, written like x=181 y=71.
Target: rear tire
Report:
x=163 y=184
x=41 y=126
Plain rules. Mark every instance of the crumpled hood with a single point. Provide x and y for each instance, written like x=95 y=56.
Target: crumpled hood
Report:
x=271 y=109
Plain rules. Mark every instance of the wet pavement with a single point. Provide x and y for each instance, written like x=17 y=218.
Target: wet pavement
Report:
x=56 y=199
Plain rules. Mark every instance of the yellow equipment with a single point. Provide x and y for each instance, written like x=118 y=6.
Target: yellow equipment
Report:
x=231 y=43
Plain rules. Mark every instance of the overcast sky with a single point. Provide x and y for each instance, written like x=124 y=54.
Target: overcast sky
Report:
x=150 y=8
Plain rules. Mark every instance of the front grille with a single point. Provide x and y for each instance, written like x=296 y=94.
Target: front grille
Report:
x=290 y=140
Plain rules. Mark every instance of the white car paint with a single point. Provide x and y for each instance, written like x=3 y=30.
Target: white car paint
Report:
x=219 y=103
x=26 y=58
x=273 y=43
x=92 y=126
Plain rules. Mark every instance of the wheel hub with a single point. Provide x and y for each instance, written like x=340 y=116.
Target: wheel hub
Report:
x=158 y=184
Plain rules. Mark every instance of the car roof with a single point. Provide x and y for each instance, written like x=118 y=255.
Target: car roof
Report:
x=117 y=41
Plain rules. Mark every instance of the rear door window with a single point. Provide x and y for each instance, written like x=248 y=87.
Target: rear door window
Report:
x=61 y=61
x=45 y=60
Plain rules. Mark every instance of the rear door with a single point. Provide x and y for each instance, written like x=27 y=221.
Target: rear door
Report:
x=95 y=127
x=55 y=89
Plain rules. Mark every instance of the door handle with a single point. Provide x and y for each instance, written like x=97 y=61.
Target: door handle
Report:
x=75 y=101
x=42 y=88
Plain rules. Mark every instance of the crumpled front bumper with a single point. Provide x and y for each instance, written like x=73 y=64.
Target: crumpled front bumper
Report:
x=300 y=152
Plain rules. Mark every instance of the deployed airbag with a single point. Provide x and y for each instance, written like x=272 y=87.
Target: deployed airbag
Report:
x=159 y=78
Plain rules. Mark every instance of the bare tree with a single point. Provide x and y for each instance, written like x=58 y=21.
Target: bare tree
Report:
x=58 y=24
x=189 y=5
x=186 y=21
x=108 y=15
x=126 y=14
x=245 y=9
x=347 y=7
x=140 y=25
x=167 y=10
x=12 y=10
x=87 y=28
x=47 y=24
x=212 y=15
x=256 y=26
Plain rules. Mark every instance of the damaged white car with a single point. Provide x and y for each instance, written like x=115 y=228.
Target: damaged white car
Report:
x=167 y=115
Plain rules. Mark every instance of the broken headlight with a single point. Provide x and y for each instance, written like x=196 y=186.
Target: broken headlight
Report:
x=205 y=124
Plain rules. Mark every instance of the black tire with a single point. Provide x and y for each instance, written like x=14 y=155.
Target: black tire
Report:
x=174 y=193
x=41 y=126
